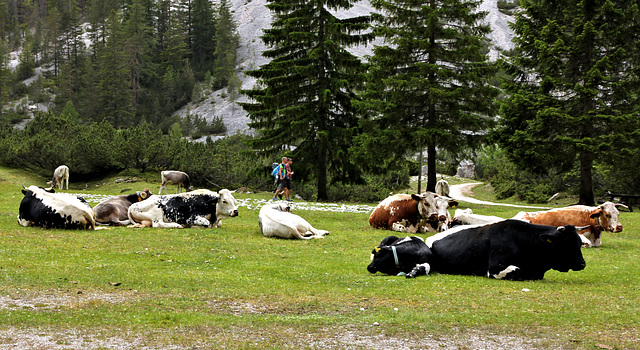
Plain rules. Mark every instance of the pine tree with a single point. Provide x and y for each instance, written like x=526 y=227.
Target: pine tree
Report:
x=304 y=94
x=203 y=28
x=227 y=43
x=574 y=81
x=429 y=82
x=115 y=96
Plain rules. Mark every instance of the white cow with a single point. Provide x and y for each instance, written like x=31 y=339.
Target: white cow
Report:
x=467 y=217
x=42 y=208
x=276 y=220
x=60 y=175
x=197 y=208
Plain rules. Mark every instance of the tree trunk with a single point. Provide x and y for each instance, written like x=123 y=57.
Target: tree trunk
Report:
x=431 y=166
x=322 y=173
x=586 y=179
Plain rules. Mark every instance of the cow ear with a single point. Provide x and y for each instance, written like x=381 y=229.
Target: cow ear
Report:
x=453 y=203
x=416 y=197
x=596 y=213
x=143 y=195
x=551 y=237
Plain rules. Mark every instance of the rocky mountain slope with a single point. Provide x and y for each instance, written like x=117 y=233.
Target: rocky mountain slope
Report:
x=252 y=16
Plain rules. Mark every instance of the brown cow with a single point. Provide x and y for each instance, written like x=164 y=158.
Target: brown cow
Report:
x=413 y=213
x=114 y=211
x=601 y=218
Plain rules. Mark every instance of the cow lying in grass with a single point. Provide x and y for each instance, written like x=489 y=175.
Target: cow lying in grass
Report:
x=115 y=210
x=276 y=220
x=510 y=249
x=44 y=208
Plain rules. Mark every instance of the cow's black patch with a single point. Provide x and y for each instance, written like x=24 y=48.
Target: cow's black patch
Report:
x=184 y=209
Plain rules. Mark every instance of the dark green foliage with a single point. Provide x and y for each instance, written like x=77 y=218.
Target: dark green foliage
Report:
x=573 y=91
x=429 y=87
x=304 y=94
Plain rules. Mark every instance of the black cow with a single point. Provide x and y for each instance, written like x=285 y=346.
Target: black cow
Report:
x=399 y=256
x=509 y=249
x=45 y=208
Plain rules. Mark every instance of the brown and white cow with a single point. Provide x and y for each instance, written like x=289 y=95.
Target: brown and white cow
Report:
x=601 y=218
x=413 y=213
x=60 y=176
x=114 y=211
x=177 y=177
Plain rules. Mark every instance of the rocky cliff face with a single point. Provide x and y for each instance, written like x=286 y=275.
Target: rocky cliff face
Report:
x=252 y=16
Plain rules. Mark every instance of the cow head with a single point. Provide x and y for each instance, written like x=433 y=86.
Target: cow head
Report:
x=393 y=255
x=434 y=208
x=565 y=245
x=227 y=206
x=142 y=195
x=281 y=206
x=607 y=215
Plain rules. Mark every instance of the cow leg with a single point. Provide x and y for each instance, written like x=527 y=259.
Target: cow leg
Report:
x=199 y=221
x=162 y=224
x=165 y=188
x=419 y=270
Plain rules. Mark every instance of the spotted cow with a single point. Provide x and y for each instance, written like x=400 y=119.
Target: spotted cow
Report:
x=44 y=208
x=413 y=213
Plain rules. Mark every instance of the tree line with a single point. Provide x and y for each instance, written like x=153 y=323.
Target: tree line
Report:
x=557 y=113
x=126 y=62
x=565 y=100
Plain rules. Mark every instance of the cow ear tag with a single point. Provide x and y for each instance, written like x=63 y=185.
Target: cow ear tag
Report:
x=143 y=195
x=377 y=249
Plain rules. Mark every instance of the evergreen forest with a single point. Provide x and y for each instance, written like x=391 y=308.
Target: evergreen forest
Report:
x=558 y=113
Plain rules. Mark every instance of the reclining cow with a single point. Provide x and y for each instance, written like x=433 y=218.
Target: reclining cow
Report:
x=115 y=210
x=413 y=213
x=510 y=249
x=276 y=220
x=467 y=217
x=601 y=218
x=196 y=208
x=44 y=208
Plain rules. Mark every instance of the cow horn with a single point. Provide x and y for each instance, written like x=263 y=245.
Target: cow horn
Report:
x=580 y=228
x=620 y=205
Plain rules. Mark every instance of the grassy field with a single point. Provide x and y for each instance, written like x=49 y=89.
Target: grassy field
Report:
x=232 y=288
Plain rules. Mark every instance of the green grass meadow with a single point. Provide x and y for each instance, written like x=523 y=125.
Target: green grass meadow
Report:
x=230 y=287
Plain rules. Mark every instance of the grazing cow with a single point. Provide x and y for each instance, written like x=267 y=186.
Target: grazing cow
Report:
x=509 y=249
x=60 y=176
x=413 y=213
x=395 y=256
x=442 y=187
x=177 y=177
x=114 y=211
x=44 y=208
x=601 y=218
x=197 y=208
x=467 y=217
x=276 y=220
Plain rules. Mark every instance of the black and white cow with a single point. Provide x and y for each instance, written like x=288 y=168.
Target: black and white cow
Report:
x=45 y=208
x=509 y=249
x=196 y=208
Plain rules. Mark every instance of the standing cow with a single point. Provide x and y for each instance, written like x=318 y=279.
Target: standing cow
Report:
x=44 y=208
x=176 y=177
x=276 y=220
x=60 y=177
x=114 y=211
x=510 y=249
x=413 y=213
x=442 y=187
x=601 y=218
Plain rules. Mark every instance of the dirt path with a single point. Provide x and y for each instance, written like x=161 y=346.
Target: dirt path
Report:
x=461 y=192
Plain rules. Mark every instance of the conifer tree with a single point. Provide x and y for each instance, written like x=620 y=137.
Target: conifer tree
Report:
x=203 y=28
x=428 y=86
x=227 y=43
x=304 y=94
x=574 y=81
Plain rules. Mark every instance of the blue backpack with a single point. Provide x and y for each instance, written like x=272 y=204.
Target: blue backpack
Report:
x=275 y=167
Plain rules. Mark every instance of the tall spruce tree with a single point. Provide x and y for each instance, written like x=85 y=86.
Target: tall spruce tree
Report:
x=574 y=81
x=227 y=43
x=428 y=86
x=304 y=94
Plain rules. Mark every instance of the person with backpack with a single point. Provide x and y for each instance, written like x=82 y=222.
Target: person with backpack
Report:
x=281 y=176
